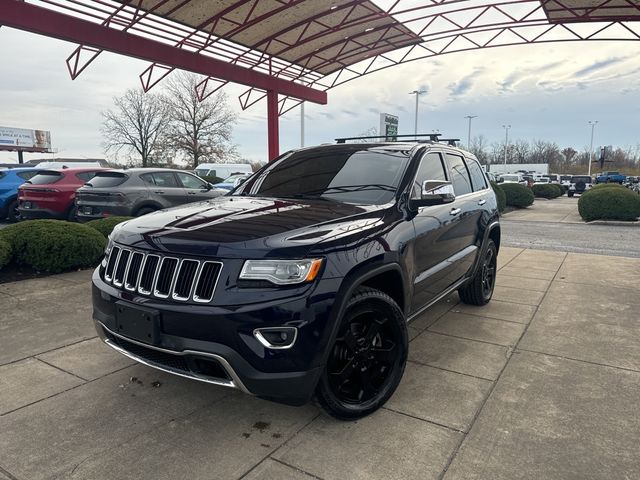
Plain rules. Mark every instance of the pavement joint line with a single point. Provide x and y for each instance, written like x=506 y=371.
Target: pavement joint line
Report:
x=449 y=370
x=432 y=422
x=512 y=259
x=573 y=359
x=61 y=369
x=295 y=468
x=87 y=382
x=498 y=319
x=473 y=339
x=268 y=455
x=7 y=473
x=68 y=473
x=47 y=351
x=510 y=354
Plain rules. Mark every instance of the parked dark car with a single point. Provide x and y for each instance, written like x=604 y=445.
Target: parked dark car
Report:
x=139 y=191
x=10 y=180
x=52 y=193
x=302 y=281
x=579 y=184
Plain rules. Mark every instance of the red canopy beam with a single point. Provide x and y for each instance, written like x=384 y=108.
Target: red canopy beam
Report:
x=25 y=16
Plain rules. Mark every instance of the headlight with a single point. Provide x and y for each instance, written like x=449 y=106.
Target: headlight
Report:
x=281 y=272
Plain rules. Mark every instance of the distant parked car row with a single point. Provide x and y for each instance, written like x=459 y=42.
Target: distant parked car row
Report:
x=88 y=193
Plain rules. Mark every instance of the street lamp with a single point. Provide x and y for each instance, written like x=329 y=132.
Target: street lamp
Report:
x=470 y=117
x=593 y=125
x=506 y=144
x=417 y=93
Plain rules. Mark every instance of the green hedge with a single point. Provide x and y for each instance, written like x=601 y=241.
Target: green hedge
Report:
x=600 y=186
x=546 y=190
x=106 y=225
x=609 y=204
x=517 y=195
x=500 y=196
x=54 y=245
x=5 y=253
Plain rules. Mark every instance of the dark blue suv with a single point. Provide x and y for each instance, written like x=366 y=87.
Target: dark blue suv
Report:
x=10 y=180
x=301 y=281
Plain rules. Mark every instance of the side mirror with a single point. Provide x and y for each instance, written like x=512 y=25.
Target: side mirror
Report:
x=434 y=192
x=209 y=186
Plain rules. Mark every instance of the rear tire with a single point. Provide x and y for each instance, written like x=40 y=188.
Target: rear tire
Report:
x=480 y=289
x=569 y=194
x=144 y=211
x=12 y=212
x=367 y=358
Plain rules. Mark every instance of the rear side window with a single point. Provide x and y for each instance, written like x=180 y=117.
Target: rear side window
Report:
x=161 y=179
x=107 y=179
x=27 y=175
x=45 y=178
x=459 y=174
x=431 y=168
x=477 y=176
x=85 y=176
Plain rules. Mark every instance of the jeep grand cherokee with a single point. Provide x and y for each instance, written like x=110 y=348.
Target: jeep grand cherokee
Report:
x=300 y=282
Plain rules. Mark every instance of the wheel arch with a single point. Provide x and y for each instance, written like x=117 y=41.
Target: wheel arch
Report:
x=146 y=204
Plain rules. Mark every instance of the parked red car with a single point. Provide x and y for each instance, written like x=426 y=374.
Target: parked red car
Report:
x=52 y=193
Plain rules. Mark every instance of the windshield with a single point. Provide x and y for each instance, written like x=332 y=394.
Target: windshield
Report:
x=107 y=179
x=45 y=178
x=581 y=179
x=359 y=175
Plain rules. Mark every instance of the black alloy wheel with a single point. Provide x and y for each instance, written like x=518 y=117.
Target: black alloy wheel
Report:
x=367 y=359
x=13 y=212
x=479 y=290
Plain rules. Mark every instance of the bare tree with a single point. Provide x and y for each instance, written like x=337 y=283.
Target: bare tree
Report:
x=136 y=124
x=200 y=130
x=478 y=147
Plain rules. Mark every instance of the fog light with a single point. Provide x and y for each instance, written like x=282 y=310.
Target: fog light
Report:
x=276 y=338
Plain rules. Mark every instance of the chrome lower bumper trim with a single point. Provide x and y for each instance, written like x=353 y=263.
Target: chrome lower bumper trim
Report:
x=235 y=381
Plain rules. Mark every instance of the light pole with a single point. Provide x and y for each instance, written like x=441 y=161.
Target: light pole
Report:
x=470 y=117
x=593 y=126
x=506 y=144
x=302 y=124
x=417 y=93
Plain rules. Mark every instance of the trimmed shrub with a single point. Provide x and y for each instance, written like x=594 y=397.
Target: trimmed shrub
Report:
x=106 y=225
x=54 y=245
x=609 y=204
x=6 y=253
x=517 y=195
x=212 y=180
x=607 y=185
x=500 y=196
x=546 y=190
x=563 y=188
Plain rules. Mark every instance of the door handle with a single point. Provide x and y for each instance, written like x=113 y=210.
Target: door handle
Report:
x=482 y=202
x=455 y=211
x=191 y=193
x=158 y=191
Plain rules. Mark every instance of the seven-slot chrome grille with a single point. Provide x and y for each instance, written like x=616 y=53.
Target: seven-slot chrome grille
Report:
x=166 y=277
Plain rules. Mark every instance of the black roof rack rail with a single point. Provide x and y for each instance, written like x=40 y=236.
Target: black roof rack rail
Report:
x=452 y=142
x=432 y=136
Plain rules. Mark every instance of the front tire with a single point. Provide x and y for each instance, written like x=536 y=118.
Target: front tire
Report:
x=480 y=289
x=367 y=359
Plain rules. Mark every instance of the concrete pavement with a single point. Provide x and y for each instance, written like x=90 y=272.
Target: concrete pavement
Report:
x=543 y=382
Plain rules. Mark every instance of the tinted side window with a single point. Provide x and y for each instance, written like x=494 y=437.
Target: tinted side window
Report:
x=459 y=174
x=27 y=175
x=165 y=179
x=107 y=179
x=85 y=176
x=477 y=175
x=190 y=181
x=431 y=168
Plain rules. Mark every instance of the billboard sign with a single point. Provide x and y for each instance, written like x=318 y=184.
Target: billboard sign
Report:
x=24 y=139
x=389 y=126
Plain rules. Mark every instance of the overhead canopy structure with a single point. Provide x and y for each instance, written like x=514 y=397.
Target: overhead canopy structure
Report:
x=291 y=51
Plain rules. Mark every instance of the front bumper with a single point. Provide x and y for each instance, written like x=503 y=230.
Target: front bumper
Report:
x=211 y=344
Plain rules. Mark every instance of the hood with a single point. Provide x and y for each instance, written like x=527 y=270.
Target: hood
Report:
x=247 y=227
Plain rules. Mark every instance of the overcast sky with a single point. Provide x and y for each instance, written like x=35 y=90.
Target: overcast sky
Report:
x=546 y=91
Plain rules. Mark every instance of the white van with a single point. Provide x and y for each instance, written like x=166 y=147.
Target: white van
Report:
x=222 y=170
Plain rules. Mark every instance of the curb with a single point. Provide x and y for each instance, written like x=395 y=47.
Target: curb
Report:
x=614 y=223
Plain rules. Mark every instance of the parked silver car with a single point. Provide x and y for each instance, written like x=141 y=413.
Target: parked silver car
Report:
x=138 y=191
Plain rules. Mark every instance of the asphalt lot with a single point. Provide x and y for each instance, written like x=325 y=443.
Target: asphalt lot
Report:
x=556 y=225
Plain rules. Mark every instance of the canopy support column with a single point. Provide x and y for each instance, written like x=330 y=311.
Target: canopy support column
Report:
x=273 y=134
